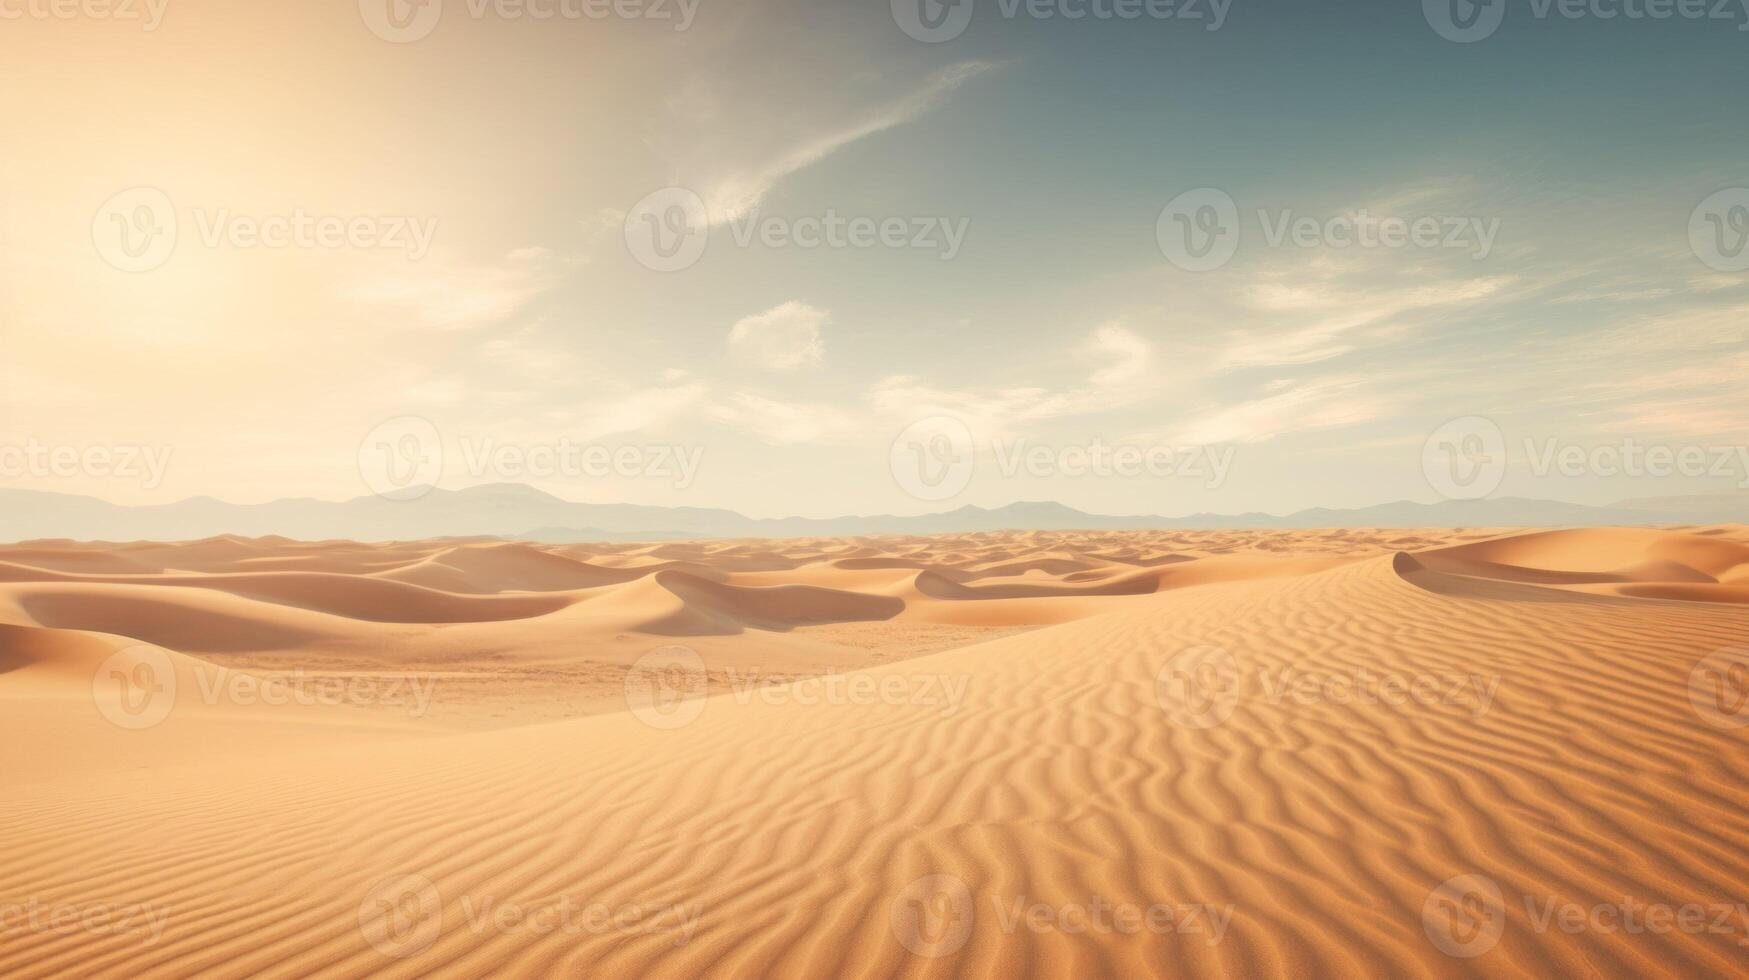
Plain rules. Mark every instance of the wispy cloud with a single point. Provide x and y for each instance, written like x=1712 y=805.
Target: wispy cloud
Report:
x=1289 y=406
x=730 y=196
x=1326 y=316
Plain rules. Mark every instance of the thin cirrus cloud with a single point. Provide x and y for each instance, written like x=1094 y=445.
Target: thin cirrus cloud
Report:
x=1288 y=406
x=731 y=196
x=1312 y=318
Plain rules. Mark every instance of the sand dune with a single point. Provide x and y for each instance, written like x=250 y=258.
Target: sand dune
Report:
x=1272 y=754
x=1638 y=562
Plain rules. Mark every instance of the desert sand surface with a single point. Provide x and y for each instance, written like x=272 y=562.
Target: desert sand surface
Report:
x=1306 y=753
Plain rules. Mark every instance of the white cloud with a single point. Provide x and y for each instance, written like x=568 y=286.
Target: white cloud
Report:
x=783 y=338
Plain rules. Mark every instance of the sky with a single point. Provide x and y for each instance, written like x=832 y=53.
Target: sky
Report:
x=1254 y=255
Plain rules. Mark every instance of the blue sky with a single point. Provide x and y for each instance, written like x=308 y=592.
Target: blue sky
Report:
x=1581 y=147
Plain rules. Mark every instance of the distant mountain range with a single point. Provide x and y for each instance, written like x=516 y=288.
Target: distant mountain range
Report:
x=522 y=512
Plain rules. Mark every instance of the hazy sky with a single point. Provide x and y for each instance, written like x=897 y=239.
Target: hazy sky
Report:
x=471 y=235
